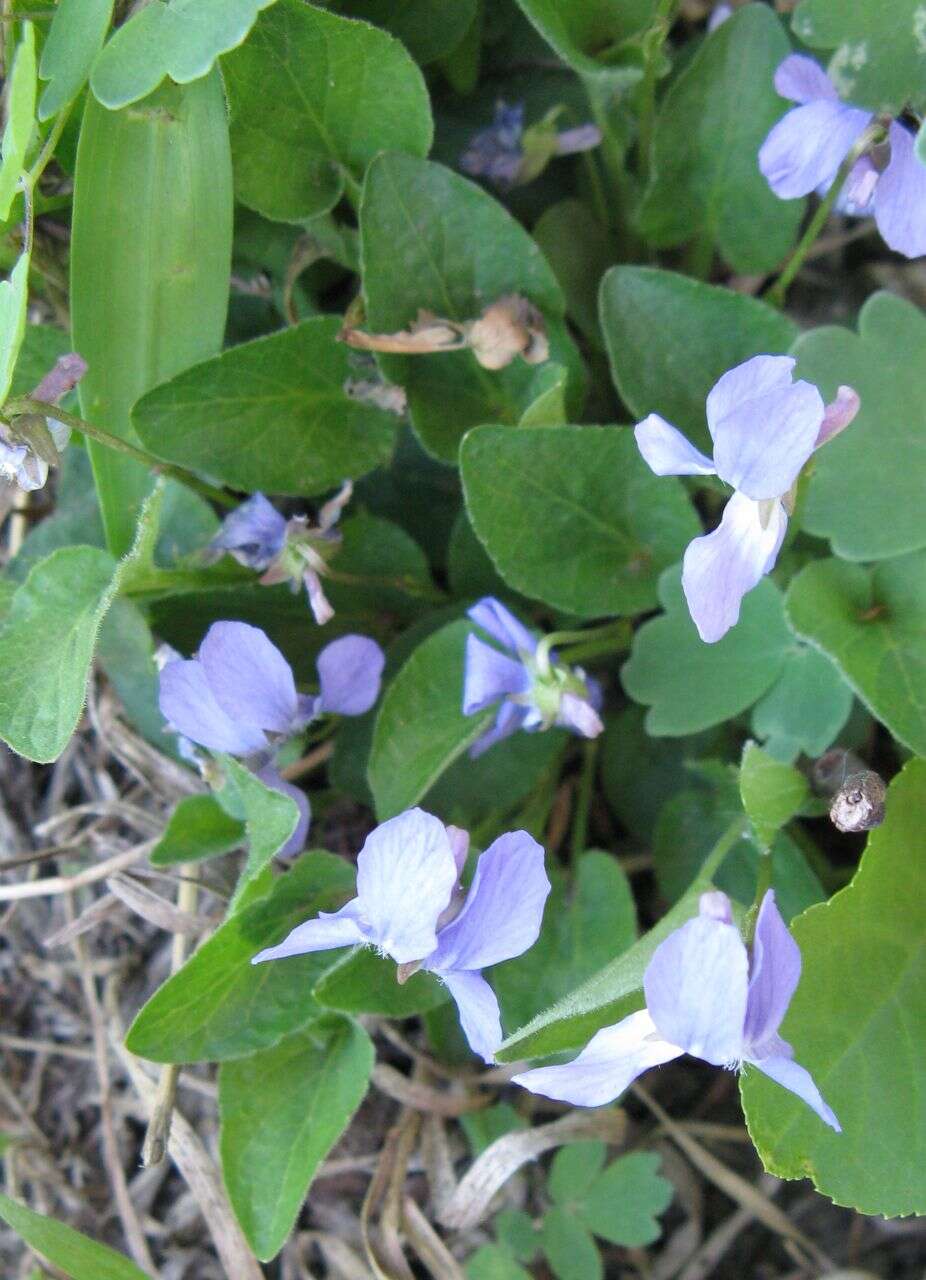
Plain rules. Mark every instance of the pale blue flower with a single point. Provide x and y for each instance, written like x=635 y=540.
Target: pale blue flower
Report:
x=764 y=426
x=806 y=148
x=409 y=906
x=705 y=995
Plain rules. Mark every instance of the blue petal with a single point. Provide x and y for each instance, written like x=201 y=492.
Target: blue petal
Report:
x=349 y=671
x=478 y=1010
x=803 y=80
x=502 y=625
x=405 y=876
x=696 y=985
x=790 y=1075
x=330 y=930
x=509 y=720
x=900 y=197
x=806 y=147
x=666 y=451
x=272 y=777
x=720 y=568
x=611 y=1061
x=503 y=910
x=188 y=704
x=776 y=971
x=253 y=533
x=489 y=676
x=251 y=680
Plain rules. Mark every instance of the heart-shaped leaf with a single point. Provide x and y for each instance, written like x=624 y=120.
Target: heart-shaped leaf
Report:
x=854 y=1024
x=872 y=623
x=573 y=516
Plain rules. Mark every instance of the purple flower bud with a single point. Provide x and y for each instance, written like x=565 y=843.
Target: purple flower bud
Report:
x=805 y=149
x=407 y=877
x=534 y=693
x=254 y=534
x=764 y=426
x=705 y=995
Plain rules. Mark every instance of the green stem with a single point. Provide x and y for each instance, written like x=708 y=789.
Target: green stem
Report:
x=735 y=831
x=763 y=884
x=655 y=39
x=579 y=840
x=775 y=294
x=31 y=176
x=25 y=405
x=619 y=643
x=608 y=631
x=410 y=586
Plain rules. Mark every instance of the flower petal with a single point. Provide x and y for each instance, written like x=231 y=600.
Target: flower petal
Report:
x=579 y=715
x=857 y=197
x=272 y=777
x=611 y=1060
x=349 y=672
x=805 y=148
x=667 y=452
x=721 y=567
x=792 y=1076
x=503 y=910
x=761 y=442
x=509 y=720
x=251 y=680
x=405 y=876
x=746 y=381
x=253 y=533
x=478 y=1009
x=188 y=704
x=489 y=675
x=696 y=985
x=900 y=197
x=839 y=413
x=776 y=971
x=502 y=625
x=319 y=603
x=330 y=512
x=329 y=930
x=803 y=80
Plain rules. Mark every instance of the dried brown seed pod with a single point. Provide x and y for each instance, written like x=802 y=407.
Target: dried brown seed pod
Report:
x=858 y=805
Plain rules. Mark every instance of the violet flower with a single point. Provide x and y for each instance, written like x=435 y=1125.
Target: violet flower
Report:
x=238 y=695
x=508 y=155
x=33 y=443
x=409 y=907
x=705 y=996
x=293 y=551
x=805 y=149
x=764 y=426
x=534 y=690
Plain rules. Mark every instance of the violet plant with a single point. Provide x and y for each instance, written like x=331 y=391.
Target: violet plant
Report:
x=550 y=483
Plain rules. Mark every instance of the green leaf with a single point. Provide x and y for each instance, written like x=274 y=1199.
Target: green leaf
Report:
x=430 y=239
x=20 y=119
x=670 y=338
x=689 y=685
x=75 y=519
x=180 y=39
x=855 y=1026
x=772 y=793
x=866 y=486
x=429 y=29
x=491 y=1262
x=624 y=1204
x=421 y=728
x=125 y=651
x=573 y=516
x=879 y=54
x=872 y=623
x=342 y=91
x=270 y=818
x=74 y=39
x=14 y=295
x=548 y=408
x=221 y=1006
x=585 y=32
x=149 y=277
x=516 y=1232
x=73 y=1253
x=713 y=121
x=585 y=923
x=603 y=999
x=570 y=1250
x=361 y=981
x=282 y=1111
x=471 y=791
x=579 y=250
x=804 y=709
x=198 y=828
x=573 y=1170
x=696 y=817
x=48 y=637
x=270 y=414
